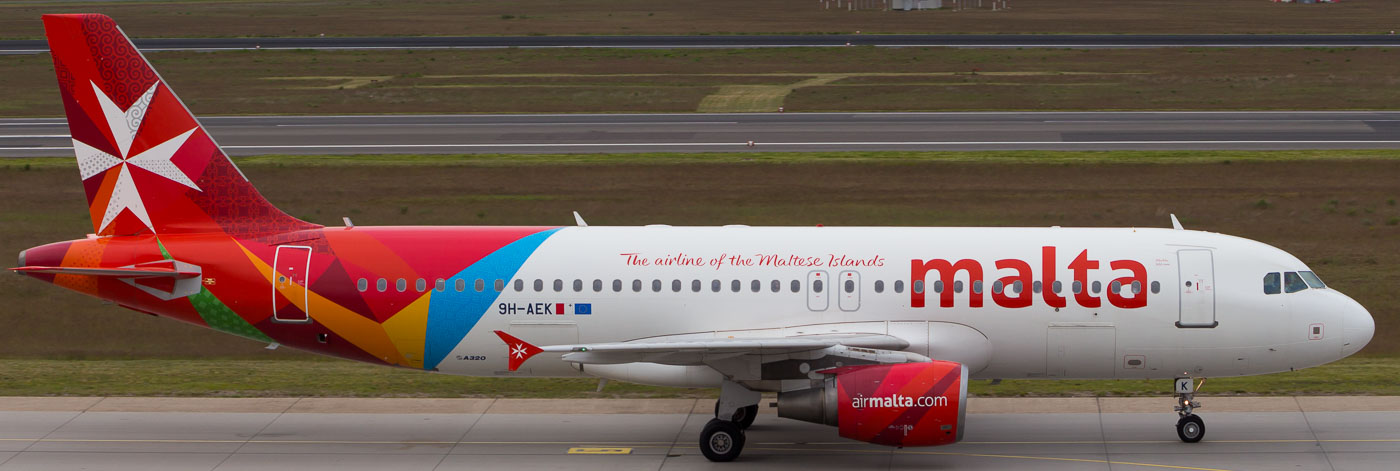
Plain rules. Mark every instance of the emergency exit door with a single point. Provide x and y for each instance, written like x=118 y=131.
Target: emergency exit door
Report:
x=289 y=277
x=1196 y=284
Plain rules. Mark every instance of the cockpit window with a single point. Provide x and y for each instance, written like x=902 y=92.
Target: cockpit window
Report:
x=1312 y=279
x=1292 y=283
x=1272 y=283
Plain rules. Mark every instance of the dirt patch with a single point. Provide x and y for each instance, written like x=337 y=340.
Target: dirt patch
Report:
x=592 y=80
x=1339 y=216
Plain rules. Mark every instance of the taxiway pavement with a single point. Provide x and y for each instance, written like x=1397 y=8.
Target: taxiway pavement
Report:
x=716 y=132
x=1268 y=433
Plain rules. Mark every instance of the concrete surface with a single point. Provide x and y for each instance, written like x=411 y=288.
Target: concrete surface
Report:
x=713 y=132
x=1350 y=433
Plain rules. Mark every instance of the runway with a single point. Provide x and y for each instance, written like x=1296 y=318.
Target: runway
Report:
x=806 y=132
x=1077 y=41
x=1313 y=433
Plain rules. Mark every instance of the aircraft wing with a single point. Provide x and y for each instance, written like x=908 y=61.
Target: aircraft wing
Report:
x=724 y=353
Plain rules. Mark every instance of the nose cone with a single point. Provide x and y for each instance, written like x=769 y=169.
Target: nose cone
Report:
x=1358 y=327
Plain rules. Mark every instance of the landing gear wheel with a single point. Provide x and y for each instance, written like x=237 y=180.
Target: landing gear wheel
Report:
x=721 y=441
x=743 y=417
x=1191 y=428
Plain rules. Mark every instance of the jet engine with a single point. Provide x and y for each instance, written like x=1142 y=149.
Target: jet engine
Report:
x=905 y=404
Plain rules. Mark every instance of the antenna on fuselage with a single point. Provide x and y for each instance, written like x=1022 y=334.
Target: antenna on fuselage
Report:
x=1175 y=223
x=579 y=219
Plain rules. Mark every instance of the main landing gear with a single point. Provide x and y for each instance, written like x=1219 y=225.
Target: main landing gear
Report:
x=722 y=439
x=1189 y=428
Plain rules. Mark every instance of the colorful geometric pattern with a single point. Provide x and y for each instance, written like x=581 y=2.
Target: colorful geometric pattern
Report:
x=159 y=189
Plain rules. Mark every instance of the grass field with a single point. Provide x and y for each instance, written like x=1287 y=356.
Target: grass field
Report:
x=189 y=18
x=331 y=378
x=801 y=79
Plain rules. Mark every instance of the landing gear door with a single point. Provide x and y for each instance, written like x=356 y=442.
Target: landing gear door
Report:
x=818 y=290
x=1196 y=286
x=289 y=277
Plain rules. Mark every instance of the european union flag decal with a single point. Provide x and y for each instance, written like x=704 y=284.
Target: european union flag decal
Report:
x=583 y=309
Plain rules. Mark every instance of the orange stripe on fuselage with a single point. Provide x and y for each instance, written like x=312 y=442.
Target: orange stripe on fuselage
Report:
x=364 y=333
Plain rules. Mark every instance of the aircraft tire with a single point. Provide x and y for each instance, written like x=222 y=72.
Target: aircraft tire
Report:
x=721 y=441
x=1191 y=429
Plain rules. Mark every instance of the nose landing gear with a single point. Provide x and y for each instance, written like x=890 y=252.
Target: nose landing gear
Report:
x=1189 y=428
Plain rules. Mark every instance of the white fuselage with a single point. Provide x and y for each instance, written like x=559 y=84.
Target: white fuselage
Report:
x=1205 y=311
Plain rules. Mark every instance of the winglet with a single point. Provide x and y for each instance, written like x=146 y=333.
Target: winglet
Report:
x=517 y=350
x=1175 y=223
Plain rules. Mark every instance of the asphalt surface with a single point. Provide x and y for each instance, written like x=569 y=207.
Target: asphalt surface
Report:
x=255 y=135
x=262 y=434
x=750 y=41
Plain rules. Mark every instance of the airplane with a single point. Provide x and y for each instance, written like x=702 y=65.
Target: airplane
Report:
x=873 y=330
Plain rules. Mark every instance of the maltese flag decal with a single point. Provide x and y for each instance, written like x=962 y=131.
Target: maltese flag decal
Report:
x=519 y=350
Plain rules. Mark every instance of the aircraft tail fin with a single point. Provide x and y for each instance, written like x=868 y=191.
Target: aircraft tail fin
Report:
x=148 y=167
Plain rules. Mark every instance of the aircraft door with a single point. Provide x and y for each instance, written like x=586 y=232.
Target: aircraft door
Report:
x=818 y=290
x=289 y=277
x=1196 y=286
x=848 y=290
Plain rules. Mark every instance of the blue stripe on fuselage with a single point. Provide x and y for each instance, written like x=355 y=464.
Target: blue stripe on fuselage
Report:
x=451 y=315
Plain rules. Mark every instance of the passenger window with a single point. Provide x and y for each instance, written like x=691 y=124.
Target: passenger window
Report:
x=1097 y=287
x=421 y=285
x=777 y=286
x=1058 y=287
x=1016 y=286
x=617 y=286
x=401 y=285
x=898 y=286
x=578 y=285
x=755 y=286
x=558 y=285
x=1312 y=279
x=957 y=286
x=1115 y=287
x=656 y=286
x=817 y=286
x=918 y=286
x=1078 y=287
x=676 y=286
x=440 y=285
x=715 y=285
x=850 y=286
x=597 y=285
x=381 y=285
x=519 y=285
x=938 y=286
x=695 y=286
x=539 y=285
x=977 y=287
x=460 y=284
x=480 y=285
x=796 y=286
x=879 y=286
x=1035 y=287
x=362 y=285
x=1137 y=287
x=499 y=285
x=636 y=286
x=1292 y=283
x=997 y=287
x=734 y=286
x=1156 y=287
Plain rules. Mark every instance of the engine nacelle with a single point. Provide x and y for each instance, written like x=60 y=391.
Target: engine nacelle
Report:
x=906 y=404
